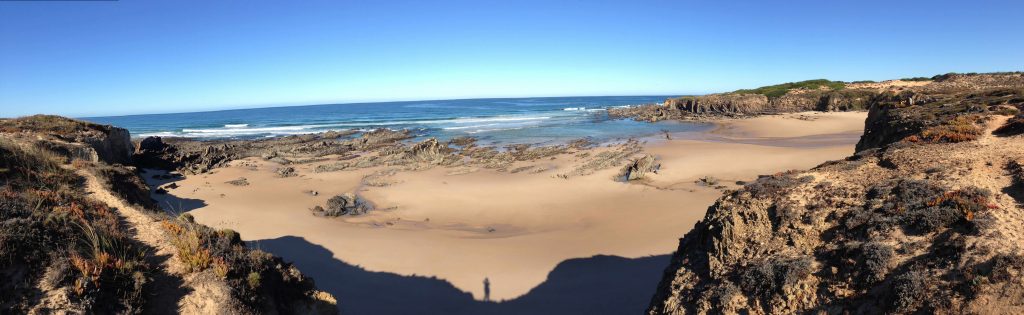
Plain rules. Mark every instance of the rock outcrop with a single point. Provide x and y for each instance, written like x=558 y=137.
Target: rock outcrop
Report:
x=431 y=151
x=74 y=139
x=720 y=103
x=194 y=157
x=736 y=104
x=344 y=204
x=922 y=219
x=639 y=168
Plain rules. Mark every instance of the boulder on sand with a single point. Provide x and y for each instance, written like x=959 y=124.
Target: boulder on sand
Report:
x=344 y=204
x=639 y=168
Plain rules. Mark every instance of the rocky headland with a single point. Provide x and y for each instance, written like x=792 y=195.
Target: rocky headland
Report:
x=925 y=217
x=812 y=95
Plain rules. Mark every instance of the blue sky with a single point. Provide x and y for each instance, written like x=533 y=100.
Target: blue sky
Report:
x=85 y=58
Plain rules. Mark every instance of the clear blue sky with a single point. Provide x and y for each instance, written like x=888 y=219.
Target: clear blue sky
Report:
x=84 y=58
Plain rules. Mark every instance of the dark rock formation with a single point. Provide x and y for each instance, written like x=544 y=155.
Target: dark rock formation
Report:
x=149 y=151
x=285 y=171
x=194 y=157
x=346 y=204
x=431 y=151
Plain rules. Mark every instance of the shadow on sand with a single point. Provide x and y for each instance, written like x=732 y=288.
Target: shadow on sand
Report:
x=595 y=285
x=167 y=200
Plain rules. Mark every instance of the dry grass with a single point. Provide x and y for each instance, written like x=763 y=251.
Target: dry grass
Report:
x=48 y=124
x=190 y=243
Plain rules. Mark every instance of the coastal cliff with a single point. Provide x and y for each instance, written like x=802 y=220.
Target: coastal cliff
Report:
x=811 y=95
x=925 y=217
x=79 y=234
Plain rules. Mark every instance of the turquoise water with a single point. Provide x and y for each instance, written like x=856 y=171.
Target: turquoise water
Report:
x=503 y=121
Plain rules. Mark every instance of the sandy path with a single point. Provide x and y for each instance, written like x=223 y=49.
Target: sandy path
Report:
x=171 y=289
x=510 y=228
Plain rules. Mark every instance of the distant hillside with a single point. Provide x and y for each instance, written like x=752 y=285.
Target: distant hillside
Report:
x=925 y=217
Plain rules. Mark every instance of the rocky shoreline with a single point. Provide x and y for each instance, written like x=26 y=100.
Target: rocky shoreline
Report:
x=340 y=151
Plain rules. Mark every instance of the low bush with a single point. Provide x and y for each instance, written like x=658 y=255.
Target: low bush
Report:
x=770 y=277
x=912 y=292
x=776 y=185
x=918 y=206
x=1006 y=268
x=959 y=129
x=875 y=259
x=254 y=276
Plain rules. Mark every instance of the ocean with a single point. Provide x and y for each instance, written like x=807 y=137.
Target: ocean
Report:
x=495 y=121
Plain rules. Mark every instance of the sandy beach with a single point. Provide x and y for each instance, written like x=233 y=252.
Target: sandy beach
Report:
x=512 y=227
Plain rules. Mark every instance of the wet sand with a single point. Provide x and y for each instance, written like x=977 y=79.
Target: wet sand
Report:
x=512 y=228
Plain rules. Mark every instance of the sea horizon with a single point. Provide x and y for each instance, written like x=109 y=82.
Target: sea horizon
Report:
x=245 y=107
x=493 y=120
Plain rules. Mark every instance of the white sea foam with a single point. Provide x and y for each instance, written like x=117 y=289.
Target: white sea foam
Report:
x=469 y=127
x=250 y=130
x=490 y=119
x=159 y=134
x=492 y=130
x=479 y=124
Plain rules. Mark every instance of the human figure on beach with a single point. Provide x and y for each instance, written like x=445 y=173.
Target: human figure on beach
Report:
x=487 y=289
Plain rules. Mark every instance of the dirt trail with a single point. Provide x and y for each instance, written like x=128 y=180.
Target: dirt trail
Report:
x=1008 y=219
x=171 y=288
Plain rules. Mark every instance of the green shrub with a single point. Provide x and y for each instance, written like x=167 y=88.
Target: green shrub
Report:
x=774 y=91
x=916 y=79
